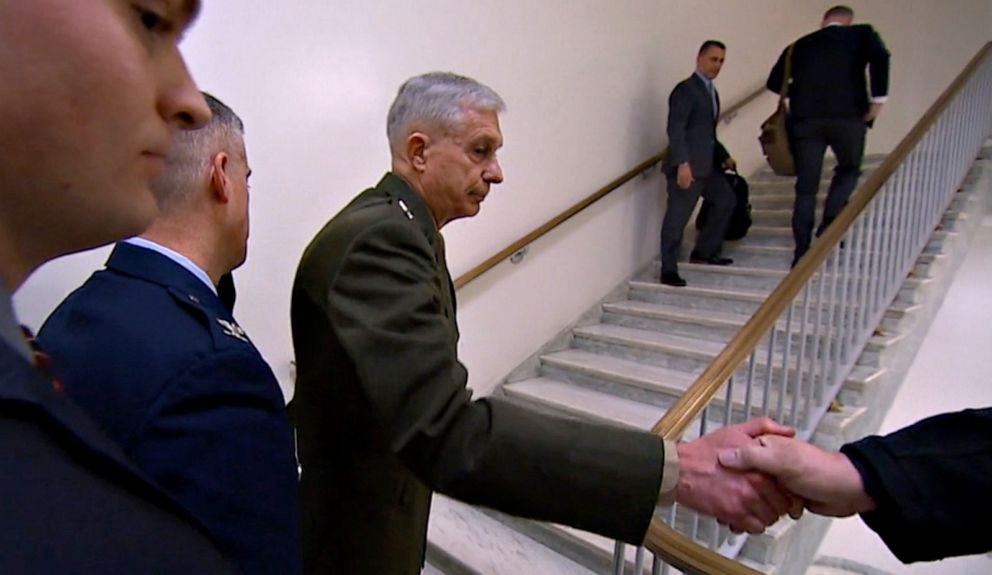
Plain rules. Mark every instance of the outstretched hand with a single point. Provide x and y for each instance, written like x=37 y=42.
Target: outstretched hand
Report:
x=827 y=481
x=744 y=501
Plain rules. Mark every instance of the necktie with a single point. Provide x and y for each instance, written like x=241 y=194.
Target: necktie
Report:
x=712 y=91
x=42 y=360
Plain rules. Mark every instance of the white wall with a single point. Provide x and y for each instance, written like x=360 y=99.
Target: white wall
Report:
x=586 y=82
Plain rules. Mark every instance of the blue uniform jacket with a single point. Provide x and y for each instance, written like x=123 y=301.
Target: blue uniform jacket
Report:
x=153 y=356
x=70 y=502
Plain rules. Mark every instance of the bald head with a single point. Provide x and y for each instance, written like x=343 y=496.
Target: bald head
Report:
x=839 y=15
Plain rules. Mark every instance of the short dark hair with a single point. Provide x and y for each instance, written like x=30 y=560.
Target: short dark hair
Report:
x=192 y=151
x=710 y=44
x=839 y=10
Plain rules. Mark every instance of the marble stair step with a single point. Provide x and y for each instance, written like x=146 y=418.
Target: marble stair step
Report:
x=766 y=257
x=697 y=297
x=868 y=164
x=779 y=216
x=733 y=276
x=659 y=386
x=482 y=545
x=595 y=551
x=584 y=403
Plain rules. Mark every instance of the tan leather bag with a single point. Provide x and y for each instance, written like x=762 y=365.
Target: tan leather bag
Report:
x=774 y=136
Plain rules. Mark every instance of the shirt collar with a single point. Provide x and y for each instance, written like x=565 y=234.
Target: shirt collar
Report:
x=175 y=256
x=705 y=80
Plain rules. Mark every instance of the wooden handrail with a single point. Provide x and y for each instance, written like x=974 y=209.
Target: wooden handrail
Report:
x=577 y=208
x=661 y=538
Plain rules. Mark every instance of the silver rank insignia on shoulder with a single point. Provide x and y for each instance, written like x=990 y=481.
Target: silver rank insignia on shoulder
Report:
x=406 y=210
x=233 y=329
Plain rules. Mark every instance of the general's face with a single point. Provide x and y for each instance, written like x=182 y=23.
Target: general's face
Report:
x=709 y=62
x=92 y=91
x=462 y=164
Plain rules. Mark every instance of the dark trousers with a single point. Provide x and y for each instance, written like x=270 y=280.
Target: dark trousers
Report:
x=680 y=205
x=810 y=138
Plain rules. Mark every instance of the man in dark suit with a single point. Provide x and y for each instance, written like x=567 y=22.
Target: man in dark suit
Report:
x=150 y=351
x=92 y=90
x=694 y=166
x=923 y=488
x=830 y=106
x=383 y=414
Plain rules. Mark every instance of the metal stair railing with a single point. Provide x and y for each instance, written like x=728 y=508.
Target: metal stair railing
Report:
x=791 y=358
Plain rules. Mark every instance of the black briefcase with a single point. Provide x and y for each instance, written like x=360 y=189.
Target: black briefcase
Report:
x=740 y=218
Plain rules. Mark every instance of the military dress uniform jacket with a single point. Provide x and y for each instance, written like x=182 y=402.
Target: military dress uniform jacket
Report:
x=384 y=416
x=932 y=485
x=71 y=502
x=691 y=129
x=154 y=357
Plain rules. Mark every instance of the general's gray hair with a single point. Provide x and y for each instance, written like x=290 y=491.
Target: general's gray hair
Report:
x=438 y=99
x=191 y=153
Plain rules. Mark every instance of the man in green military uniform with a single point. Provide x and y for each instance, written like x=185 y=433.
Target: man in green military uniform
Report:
x=382 y=410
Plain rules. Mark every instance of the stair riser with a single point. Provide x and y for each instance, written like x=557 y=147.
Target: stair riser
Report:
x=779 y=218
x=725 y=278
x=711 y=332
x=656 y=396
x=677 y=297
x=667 y=359
x=718 y=277
x=682 y=361
x=773 y=261
x=673 y=326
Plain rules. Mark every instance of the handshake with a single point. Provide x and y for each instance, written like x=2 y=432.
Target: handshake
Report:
x=749 y=475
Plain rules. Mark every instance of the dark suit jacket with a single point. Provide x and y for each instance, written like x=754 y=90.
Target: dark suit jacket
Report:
x=384 y=416
x=932 y=485
x=692 y=129
x=70 y=502
x=828 y=72
x=155 y=358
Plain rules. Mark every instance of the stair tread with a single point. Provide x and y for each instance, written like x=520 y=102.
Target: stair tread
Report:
x=489 y=546
x=709 y=292
x=663 y=311
x=587 y=403
x=735 y=270
x=632 y=371
x=650 y=339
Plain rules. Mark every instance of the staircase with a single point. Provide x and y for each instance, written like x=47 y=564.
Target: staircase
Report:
x=627 y=360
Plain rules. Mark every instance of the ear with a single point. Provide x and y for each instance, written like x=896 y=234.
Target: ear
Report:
x=220 y=183
x=417 y=144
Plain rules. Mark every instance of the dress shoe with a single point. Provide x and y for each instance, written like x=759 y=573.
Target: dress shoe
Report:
x=709 y=260
x=672 y=279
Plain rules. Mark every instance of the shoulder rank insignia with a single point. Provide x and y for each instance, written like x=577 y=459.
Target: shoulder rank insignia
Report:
x=233 y=329
x=406 y=210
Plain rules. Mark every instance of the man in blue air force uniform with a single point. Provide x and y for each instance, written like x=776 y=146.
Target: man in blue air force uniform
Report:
x=148 y=348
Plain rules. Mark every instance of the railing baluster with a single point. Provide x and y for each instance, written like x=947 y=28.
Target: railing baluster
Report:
x=812 y=388
x=619 y=550
x=728 y=408
x=787 y=348
x=750 y=383
x=801 y=358
x=769 y=370
x=830 y=341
